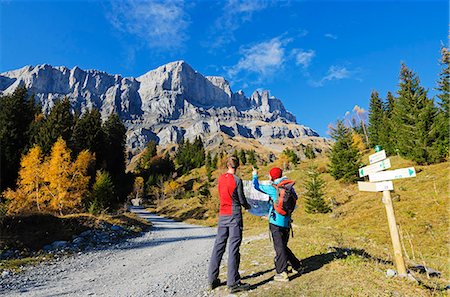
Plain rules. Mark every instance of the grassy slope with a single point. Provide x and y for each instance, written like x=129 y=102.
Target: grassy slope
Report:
x=347 y=252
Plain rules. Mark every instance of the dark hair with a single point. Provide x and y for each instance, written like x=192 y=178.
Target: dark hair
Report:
x=233 y=162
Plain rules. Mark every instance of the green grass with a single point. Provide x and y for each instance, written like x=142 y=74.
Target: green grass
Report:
x=359 y=225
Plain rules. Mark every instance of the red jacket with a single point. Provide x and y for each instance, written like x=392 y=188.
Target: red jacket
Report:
x=231 y=194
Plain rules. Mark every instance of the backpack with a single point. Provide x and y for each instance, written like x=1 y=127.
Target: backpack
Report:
x=287 y=198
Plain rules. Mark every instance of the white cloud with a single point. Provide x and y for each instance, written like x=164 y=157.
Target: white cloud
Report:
x=262 y=59
x=332 y=36
x=304 y=58
x=334 y=73
x=158 y=24
x=235 y=14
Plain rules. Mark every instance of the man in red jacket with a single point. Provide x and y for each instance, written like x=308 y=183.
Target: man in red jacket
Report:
x=230 y=227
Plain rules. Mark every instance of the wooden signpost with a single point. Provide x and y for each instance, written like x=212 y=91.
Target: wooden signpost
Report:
x=380 y=181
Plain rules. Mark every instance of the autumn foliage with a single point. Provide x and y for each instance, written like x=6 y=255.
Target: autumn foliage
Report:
x=54 y=184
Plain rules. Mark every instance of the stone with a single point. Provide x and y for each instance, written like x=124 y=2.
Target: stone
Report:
x=58 y=245
x=391 y=273
x=79 y=240
x=116 y=228
x=166 y=104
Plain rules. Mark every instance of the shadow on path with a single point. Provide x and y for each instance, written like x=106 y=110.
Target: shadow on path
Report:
x=316 y=262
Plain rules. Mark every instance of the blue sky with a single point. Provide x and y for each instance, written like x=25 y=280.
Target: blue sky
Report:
x=320 y=58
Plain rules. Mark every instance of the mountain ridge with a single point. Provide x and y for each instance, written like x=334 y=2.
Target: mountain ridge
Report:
x=166 y=104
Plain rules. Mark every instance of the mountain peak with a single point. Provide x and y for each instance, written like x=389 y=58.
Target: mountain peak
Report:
x=166 y=104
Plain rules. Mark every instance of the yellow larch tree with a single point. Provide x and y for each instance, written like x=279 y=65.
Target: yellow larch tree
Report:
x=66 y=182
x=358 y=141
x=28 y=195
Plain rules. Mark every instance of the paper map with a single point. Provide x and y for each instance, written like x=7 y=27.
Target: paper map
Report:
x=258 y=201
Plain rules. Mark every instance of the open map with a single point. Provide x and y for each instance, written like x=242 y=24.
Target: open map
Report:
x=258 y=201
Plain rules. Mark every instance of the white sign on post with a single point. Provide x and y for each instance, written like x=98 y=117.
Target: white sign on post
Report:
x=379 y=166
x=392 y=174
x=375 y=187
x=381 y=155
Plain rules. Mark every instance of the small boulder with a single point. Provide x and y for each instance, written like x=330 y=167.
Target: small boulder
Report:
x=59 y=245
x=391 y=273
x=116 y=228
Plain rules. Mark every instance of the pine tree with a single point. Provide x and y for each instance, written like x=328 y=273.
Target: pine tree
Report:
x=214 y=162
x=242 y=157
x=375 y=119
x=145 y=159
x=102 y=192
x=88 y=135
x=344 y=156
x=291 y=155
x=252 y=158
x=309 y=152
x=58 y=123
x=114 y=156
x=385 y=137
x=413 y=117
x=314 y=184
x=440 y=147
x=190 y=155
x=17 y=112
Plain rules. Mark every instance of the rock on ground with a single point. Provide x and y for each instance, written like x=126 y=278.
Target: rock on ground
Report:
x=169 y=260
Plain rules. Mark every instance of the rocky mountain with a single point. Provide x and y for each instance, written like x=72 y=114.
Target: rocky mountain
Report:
x=165 y=104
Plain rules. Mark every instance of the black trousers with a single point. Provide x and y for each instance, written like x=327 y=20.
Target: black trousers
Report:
x=284 y=255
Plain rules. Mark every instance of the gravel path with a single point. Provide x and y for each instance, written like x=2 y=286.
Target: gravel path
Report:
x=169 y=260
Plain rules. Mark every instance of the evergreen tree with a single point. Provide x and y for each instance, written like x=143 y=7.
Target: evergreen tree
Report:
x=291 y=155
x=413 y=117
x=190 y=155
x=214 y=162
x=145 y=159
x=114 y=156
x=440 y=147
x=344 y=156
x=252 y=158
x=385 y=137
x=375 y=119
x=242 y=157
x=309 y=152
x=58 y=123
x=314 y=184
x=102 y=192
x=17 y=112
x=88 y=135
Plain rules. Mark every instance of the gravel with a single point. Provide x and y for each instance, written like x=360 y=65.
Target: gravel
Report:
x=169 y=260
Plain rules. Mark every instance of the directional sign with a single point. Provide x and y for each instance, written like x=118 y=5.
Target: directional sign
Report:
x=377 y=157
x=393 y=174
x=375 y=187
x=385 y=164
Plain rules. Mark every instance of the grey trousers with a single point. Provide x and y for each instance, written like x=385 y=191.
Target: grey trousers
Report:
x=231 y=232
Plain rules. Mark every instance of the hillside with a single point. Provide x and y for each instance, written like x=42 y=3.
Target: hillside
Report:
x=346 y=252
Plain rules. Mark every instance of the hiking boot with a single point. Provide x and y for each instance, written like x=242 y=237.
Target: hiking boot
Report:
x=281 y=277
x=239 y=287
x=214 y=284
x=294 y=270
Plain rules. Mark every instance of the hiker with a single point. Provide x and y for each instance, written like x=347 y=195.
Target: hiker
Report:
x=229 y=228
x=280 y=219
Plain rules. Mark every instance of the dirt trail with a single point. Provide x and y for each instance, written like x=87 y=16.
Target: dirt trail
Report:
x=169 y=260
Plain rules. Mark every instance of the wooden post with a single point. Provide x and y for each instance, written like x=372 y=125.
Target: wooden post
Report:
x=399 y=262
